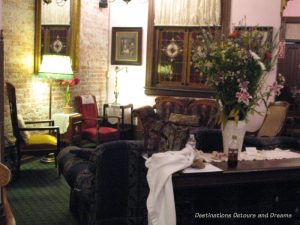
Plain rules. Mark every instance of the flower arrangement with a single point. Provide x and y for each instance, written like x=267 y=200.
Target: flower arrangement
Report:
x=236 y=67
x=69 y=83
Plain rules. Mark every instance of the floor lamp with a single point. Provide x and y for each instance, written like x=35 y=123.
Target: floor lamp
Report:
x=116 y=92
x=55 y=67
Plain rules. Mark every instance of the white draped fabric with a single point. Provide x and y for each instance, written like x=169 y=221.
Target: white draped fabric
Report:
x=187 y=12
x=52 y=14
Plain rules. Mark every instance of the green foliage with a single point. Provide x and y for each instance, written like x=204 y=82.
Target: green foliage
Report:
x=235 y=66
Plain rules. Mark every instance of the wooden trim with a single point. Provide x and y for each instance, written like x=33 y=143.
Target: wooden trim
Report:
x=180 y=92
x=2 y=97
x=37 y=36
x=225 y=16
x=150 y=45
x=75 y=34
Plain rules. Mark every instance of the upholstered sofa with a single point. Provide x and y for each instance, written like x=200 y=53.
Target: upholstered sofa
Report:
x=107 y=184
x=190 y=113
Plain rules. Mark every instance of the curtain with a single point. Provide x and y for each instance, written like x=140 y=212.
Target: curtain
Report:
x=187 y=12
x=52 y=14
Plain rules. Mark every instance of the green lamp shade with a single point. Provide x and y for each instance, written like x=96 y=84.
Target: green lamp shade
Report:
x=57 y=67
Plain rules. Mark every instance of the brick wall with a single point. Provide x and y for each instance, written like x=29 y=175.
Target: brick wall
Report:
x=33 y=93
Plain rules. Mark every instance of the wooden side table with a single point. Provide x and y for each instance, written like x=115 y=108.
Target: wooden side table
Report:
x=126 y=130
x=69 y=127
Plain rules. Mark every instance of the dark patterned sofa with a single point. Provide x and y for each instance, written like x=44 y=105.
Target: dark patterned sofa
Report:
x=190 y=113
x=108 y=184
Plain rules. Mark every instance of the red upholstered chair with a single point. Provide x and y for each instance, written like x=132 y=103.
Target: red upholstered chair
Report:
x=94 y=127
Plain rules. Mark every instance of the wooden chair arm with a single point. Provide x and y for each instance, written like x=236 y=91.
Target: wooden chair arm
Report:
x=9 y=217
x=51 y=122
x=54 y=128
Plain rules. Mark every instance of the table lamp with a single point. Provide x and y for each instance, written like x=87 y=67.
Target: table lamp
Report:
x=55 y=67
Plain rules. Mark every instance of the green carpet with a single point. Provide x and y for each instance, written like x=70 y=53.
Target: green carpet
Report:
x=39 y=196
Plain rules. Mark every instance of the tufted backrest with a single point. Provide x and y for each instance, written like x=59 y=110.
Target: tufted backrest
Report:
x=206 y=109
x=166 y=105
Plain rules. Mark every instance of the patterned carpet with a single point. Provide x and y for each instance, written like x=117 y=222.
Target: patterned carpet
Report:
x=39 y=196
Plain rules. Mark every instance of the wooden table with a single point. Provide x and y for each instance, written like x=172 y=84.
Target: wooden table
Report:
x=258 y=188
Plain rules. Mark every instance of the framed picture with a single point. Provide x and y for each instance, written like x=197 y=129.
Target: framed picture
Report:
x=266 y=32
x=126 y=47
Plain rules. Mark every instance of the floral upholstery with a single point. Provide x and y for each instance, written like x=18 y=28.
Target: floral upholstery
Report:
x=108 y=184
x=164 y=136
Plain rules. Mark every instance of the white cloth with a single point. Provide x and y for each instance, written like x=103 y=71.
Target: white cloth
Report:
x=62 y=121
x=87 y=99
x=161 y=166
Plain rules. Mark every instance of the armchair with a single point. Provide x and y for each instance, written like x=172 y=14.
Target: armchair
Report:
x=268 y=135
x=96 y=128
x=31 y=144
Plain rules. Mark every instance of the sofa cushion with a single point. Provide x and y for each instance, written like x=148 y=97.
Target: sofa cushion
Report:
x=161 y=136
x=184 y=120
x=106 y=134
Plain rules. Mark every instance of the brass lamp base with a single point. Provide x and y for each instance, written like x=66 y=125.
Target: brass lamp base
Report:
x=48 y=158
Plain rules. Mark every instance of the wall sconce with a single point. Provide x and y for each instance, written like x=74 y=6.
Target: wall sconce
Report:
x=58 y=2
x=104 y=3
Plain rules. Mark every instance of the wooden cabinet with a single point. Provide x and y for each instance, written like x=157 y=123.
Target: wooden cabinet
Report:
x=173 y=67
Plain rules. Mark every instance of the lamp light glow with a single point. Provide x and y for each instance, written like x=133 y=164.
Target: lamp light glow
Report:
x=57 y=67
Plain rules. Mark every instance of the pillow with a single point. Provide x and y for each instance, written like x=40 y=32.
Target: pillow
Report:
x=185 y=120
x=161 y=136
x=36 y=139
x=24 y=134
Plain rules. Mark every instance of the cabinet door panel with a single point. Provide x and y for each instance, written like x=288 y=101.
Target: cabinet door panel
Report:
x=171 y=63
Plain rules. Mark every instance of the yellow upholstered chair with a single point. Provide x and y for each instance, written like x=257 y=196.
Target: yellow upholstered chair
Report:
x=31 y=143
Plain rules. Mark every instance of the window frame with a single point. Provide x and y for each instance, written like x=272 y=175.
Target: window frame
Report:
x=151 y=88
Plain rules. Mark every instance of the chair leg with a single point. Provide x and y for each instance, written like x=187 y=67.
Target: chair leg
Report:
x=18 y=162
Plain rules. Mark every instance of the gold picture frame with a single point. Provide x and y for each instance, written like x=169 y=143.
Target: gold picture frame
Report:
x=126 y=48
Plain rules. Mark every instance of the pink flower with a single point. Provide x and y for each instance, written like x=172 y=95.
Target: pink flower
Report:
x=244 y=85
x=243 y=96
x=276 y=88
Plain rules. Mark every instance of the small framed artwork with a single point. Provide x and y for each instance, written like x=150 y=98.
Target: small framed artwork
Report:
x=126 y=47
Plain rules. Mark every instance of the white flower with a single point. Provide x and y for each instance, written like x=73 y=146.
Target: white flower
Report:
x=262 y=66
x=254 y=55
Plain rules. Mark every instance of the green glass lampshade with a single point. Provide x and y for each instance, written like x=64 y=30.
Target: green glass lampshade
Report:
x=56 y=67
